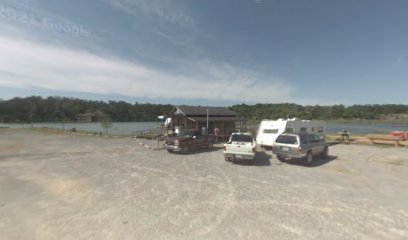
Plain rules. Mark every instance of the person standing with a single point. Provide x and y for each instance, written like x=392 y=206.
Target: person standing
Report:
x=216 y=133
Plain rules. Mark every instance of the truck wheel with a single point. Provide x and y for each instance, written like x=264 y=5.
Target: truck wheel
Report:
x=280 y=158
x=309 y=158
x=325 y=153
x=210 y=145
x=186 y=149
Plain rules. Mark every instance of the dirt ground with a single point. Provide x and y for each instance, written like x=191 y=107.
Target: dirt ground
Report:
x=55 y=186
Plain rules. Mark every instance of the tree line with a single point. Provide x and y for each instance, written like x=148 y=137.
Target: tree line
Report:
x=62 y=109
x=335 y=112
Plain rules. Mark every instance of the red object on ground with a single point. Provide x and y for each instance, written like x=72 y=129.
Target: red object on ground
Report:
x=402 y=135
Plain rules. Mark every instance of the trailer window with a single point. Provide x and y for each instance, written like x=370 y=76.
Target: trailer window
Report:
x=272 y=131
x=304 y=138
x=289 y=130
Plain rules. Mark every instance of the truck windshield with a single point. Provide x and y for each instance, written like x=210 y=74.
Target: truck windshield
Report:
x=186 y=134
x=286 y=139
x=241 y=138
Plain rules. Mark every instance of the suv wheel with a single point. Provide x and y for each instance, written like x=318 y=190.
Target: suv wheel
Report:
x=325 y=153
x=309 y=158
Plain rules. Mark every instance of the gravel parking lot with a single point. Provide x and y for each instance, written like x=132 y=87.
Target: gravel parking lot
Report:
x=55 y=186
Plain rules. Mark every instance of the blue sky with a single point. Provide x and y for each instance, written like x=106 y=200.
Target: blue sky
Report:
x=213 y=52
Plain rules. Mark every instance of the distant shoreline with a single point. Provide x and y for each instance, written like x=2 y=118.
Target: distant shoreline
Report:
x=331 y=138
x=374 y=121
x=369 y=121
x=356 y=127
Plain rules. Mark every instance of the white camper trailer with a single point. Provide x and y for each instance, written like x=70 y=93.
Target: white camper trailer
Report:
x=269 y=130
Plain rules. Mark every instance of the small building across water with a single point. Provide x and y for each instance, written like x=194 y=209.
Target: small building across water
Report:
x=88 y=117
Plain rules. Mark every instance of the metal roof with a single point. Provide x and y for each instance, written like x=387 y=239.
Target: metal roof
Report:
x=202 y=111
x=211 y=119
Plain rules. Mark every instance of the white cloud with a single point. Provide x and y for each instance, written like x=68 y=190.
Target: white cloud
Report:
x=163 y=10
x=25 y=63
x=166 y=19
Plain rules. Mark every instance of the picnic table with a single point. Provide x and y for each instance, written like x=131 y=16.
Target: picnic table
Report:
x=385 y=139
x=345 y=136
x=402 y=135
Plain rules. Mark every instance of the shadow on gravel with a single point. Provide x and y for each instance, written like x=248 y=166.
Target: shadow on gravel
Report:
x=261 y=160
x=316 y=162
x=321 y=161
x=200 y=150
x=333 y=143
x=213 y=149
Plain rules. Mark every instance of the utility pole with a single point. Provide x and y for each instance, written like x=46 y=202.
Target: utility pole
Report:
x=158 y=130
x=207 y=120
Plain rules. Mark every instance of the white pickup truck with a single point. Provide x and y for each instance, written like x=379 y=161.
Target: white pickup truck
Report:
x=240 y=146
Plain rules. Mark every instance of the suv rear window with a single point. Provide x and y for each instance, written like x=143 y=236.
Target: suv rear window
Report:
x=286 y=139
x=241 y=138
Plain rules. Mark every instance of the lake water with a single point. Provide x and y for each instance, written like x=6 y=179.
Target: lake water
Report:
x=129 y=128
x=365 y=128
x=118 y=128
